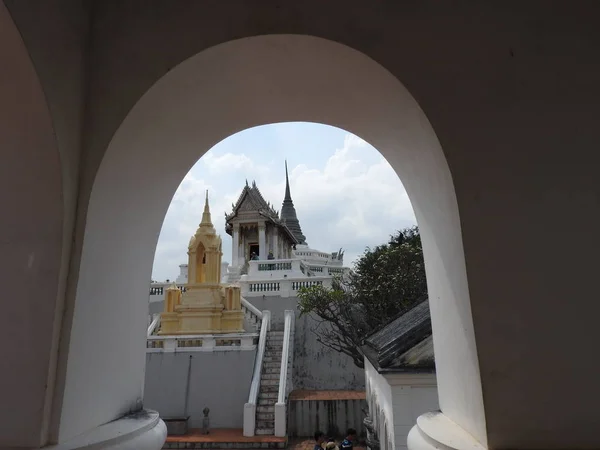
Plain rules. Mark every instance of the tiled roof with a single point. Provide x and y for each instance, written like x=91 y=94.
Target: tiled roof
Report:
x=403 y=344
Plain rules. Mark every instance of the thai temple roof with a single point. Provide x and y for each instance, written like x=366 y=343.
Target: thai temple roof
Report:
x=405 y=344
x=251 y=199
x=288 y=212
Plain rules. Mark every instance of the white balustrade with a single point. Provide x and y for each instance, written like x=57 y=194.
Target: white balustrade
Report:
x=250 y=407
x=202 y=343
x=285 y=384
x=253 y=314
x=286 y=287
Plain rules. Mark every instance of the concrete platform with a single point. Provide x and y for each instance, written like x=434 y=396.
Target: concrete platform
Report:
x=224 y=438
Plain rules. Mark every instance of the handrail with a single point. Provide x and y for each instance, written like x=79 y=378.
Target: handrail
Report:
x=280 y=406
x=250 y=407
x=285 y=354
x=258 y=362
x=153 y=325
x=250 y=307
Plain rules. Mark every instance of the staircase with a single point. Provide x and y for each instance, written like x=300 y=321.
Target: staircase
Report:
x=269 y=385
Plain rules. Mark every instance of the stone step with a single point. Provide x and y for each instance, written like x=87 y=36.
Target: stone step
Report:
x=265 y=431
x=265 y=409
x=269 y=382
x=265 y=424
x=269 y=376
x=275 y=333
x=273 y=346
x=265 y=395
x=268 y=388
x=266 y=416
x=267 y=402
x=271 y=370
x=272 y=364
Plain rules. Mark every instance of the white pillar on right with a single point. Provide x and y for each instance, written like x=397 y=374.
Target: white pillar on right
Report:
x=235 y=246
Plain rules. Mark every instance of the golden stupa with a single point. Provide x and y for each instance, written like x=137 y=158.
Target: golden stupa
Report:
x=206 y=306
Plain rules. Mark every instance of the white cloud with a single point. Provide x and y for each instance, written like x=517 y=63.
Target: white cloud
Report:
x=353 y=200
x=229 y=163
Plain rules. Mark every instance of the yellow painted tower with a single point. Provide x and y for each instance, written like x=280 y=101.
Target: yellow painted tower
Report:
x=206 y=307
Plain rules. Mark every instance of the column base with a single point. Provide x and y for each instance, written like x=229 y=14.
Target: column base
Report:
x=143 y=430
x=434 y=431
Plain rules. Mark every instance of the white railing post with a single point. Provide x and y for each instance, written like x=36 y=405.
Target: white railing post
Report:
x=247 y=342
x=281 y=405
x=250 y=407
x=169 y=344
x=208 y=342
x=285 y=288
x=249 y=419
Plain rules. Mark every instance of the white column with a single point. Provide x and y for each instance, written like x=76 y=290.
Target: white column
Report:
x=276 y=244
x=262 y=243
x=142 y=430
x=235 y=246
x=434 y=431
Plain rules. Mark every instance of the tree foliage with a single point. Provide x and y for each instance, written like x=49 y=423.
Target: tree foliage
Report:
x=385 y=282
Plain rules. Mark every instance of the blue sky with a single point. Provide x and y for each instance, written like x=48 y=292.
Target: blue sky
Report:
x=346 y=194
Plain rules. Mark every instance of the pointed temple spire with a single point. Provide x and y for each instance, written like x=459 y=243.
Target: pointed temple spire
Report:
x=287 y=185
x=288 y=212
x=206 y=219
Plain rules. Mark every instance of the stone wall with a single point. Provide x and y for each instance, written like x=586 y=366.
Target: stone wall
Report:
x=218 y=380
x=333 y=417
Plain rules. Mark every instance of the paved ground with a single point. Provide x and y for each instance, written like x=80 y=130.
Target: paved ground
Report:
x=221 y=435
x=307 y=444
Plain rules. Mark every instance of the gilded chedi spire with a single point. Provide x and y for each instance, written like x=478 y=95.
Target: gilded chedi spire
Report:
x=206 y=219
x=288 y=212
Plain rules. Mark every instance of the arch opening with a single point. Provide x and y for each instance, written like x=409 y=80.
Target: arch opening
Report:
x=220 y=91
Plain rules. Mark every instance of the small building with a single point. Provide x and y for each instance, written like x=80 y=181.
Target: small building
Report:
x=400 y=377
x=256 y=230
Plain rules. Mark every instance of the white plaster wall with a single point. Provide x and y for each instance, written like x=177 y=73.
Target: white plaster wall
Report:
x=412 y=395
x=381 y=406
x=219 y=381
x=512 y=93
x=30 y=243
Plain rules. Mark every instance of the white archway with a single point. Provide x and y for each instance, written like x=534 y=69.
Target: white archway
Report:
x=220 y=91
x=31 y=245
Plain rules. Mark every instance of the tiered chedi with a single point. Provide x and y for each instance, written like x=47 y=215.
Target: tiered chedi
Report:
x=206 y=306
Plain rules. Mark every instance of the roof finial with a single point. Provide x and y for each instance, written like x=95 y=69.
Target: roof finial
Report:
x=206 y=214
x=287 y=184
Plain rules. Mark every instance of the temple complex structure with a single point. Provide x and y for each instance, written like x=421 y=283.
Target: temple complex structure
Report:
x=245 y=315
x=267 y=246
x=261 y=233
x=206 y=306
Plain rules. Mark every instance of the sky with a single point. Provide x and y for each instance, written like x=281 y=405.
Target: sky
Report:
x=345 y=193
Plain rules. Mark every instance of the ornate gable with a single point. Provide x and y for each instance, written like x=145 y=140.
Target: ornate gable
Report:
x=252 y=200
x=247 y=204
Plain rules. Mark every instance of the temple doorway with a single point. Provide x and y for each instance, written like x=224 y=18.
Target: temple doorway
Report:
x=253 y=248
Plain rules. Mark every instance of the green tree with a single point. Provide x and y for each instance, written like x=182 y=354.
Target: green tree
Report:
x=385 y=282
